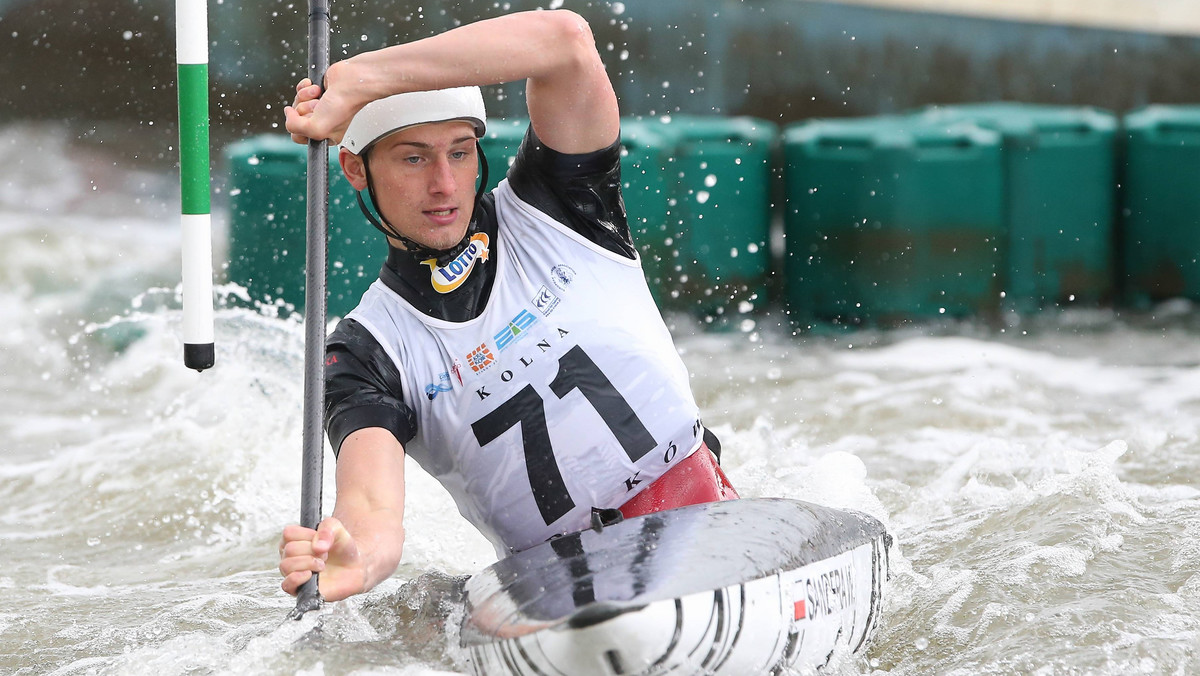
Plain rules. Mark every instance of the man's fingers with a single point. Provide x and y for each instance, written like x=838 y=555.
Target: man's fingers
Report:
x=295 y=532
x=307 y=107
x=309 y=93
x=305 y=562
x=329 y=532
x=302 y=551
x=303 y=106
x=295 y=124
x=292 y=582
x=296 y=548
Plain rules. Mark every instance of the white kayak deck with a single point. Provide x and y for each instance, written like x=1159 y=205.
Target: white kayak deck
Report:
x=741 y=587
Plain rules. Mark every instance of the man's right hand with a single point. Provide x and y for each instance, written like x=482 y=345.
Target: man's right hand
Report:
x=324 y=113
x=331 y=551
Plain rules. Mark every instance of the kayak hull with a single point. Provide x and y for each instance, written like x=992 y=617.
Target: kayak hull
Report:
x=740 y=587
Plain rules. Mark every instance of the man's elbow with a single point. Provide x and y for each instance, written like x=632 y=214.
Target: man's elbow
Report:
x=568 y=30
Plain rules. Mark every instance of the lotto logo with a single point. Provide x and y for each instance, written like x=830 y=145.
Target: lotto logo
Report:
x=480 y=358
x=448 y=278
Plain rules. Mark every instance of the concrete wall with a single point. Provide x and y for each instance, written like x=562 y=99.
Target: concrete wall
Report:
x=97 y=60
x=1169 y=17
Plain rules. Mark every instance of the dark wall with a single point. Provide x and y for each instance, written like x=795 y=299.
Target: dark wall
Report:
x=111 y=62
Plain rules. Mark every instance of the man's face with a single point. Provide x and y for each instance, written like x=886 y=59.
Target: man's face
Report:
x=424 y=178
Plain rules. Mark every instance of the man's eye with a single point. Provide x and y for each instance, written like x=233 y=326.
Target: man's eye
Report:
x=459 y=154
x=413 y=159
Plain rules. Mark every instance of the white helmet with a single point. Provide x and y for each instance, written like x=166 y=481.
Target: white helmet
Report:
x=386 y=116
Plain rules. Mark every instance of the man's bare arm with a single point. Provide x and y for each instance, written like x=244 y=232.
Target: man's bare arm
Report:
x=571 y=101
x=361 y=544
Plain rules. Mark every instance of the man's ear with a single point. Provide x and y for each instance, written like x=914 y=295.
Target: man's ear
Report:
x=353 y=168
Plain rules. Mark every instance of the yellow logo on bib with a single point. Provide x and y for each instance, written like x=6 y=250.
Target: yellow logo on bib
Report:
x=450 y=276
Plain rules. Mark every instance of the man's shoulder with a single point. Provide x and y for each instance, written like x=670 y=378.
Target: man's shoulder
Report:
x=583 y=192
x=535 y=156
x=352 y=335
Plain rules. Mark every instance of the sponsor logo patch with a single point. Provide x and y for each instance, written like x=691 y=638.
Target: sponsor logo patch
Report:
x=480 y=358
x=451 y=276
x=516 y=329
x=562 y=276
x=545 y=301
x=443 y=385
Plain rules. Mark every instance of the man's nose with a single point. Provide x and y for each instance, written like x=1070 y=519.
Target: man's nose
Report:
x=442 y=181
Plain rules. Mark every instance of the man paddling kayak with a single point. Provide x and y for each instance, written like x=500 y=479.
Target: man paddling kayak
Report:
x=510 y=344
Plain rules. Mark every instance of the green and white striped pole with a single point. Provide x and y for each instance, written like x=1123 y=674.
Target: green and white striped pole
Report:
x=195 y=181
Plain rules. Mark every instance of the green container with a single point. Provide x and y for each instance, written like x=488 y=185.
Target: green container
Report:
x=646 y=154
x=267 y=185
x=1160 y=241
x=648 y=177
x=892 y=219
x=709 y=239
x=724 y=197
x=500 y=145
x=1060 y=183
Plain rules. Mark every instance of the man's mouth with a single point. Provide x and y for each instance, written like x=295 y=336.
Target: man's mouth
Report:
x=442 y=216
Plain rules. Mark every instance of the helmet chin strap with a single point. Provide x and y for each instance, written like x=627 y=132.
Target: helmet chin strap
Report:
x=412 y=247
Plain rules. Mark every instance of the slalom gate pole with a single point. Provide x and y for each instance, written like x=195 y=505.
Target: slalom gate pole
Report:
x=195 y=182
x=309 y=597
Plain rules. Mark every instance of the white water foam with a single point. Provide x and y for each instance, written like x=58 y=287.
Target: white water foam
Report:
x=1041 y=487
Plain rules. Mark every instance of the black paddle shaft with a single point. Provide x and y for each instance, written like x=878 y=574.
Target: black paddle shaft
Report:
x=308 y=597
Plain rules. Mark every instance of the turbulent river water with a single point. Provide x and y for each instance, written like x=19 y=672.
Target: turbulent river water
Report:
x=1040 y=480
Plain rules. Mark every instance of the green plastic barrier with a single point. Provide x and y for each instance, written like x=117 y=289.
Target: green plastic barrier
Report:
x=500 y=145
x=697 y=192
x=1160 y=241
x=891 y=219
x=1059 y=199
x=725 y=166
x=267 y=179
x=647 y=150
x=646 y=158
x=704 y=211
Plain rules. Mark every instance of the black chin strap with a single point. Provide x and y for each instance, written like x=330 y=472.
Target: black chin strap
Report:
x=411 y=247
